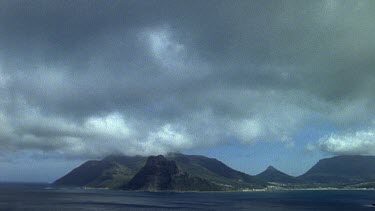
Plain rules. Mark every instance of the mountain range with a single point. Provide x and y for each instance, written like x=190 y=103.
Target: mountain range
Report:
x=179 y=172
x=172 y=172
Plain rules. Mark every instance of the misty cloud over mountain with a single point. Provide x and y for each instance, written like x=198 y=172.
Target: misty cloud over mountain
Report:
x=92 y=78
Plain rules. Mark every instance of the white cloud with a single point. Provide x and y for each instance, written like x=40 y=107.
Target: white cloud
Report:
x=166 y=138
x=4 y=82
x=358 y=143
x=4 y=78
x=95 y=137
x=248 y=130
x=172 y=55
x=112 y=126
x=265 y=121
x=351 y=112
x=168 y=51
x=6 y=129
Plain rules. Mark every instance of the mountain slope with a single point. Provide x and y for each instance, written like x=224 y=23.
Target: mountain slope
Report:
x=111 y=172
x=342 y=169
x=85 y=174
x=214 y=170
x=271 y=174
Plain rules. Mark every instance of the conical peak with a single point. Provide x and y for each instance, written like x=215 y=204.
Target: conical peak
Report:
x=271 y=168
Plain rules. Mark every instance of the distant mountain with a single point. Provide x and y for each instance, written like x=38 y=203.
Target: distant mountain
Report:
x=341 y=170
x=271 y=174
x=173 y=172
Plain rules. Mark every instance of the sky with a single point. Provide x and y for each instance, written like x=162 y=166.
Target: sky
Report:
x=251 y=83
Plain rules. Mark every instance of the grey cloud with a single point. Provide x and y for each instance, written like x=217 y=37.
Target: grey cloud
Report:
x=202 y=72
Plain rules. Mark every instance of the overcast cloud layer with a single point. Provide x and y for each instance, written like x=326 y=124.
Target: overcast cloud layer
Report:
x=91 y=78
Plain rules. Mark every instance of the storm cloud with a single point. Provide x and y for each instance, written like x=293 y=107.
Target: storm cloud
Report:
x=91 y=78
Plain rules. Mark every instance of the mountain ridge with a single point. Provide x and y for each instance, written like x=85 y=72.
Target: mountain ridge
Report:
x=116 y=172
x=179 y=172
x=341 y=169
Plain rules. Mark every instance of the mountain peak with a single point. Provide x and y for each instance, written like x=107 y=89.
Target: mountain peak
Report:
x=271 y=174
x=271 y=168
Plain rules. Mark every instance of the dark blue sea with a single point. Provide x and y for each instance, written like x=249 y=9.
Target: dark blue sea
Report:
x=42 y=197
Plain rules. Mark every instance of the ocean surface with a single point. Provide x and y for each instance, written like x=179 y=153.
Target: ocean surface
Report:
x=43 y=197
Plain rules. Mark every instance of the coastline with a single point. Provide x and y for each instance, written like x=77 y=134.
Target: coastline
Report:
x=228 y=191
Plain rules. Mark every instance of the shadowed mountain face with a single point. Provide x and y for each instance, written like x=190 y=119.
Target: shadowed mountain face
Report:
x=342 y=169
x=157 y=174
x=162 y=174
x=271 y=174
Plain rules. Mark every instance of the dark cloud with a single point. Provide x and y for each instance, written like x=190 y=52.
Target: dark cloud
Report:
x=180 y=74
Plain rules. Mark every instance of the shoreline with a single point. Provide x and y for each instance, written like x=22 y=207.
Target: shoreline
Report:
x=231 y=191
x=51 y=186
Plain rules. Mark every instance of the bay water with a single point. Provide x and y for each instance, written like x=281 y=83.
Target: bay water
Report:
x=43 y=197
